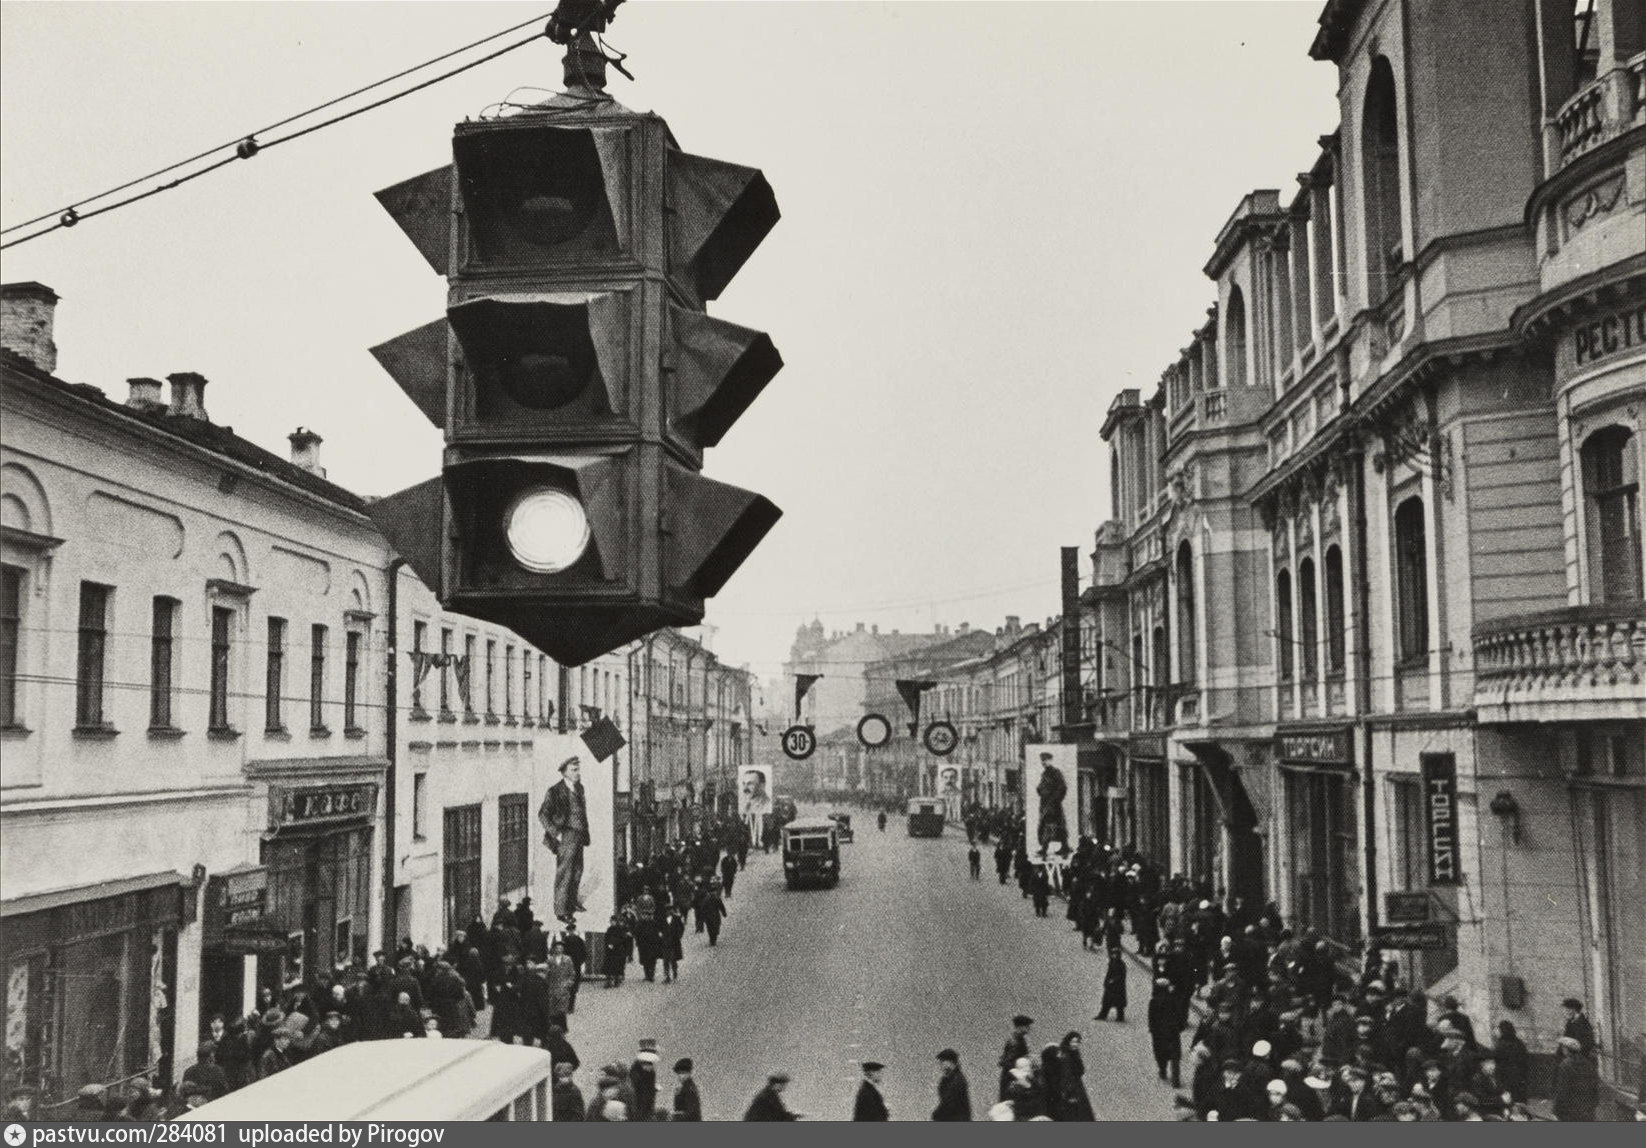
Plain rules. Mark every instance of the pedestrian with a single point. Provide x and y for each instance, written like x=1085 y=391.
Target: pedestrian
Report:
x=1040 y=889
x=870 y=1105
x=643 y=1080
x=617 y=952
x=881 y=821
x=566 y=1101
x=1513 y=1060
x=1578 y=1026
x=560 y=1049
x=606 y=1105
x=711 y=911
x=954 y=1093
x=768 y=1102
x=1003 y=860
x=974 y=860
x=728 y=871
x=577 y=950
x=688 y=1105
x=1167 y=1019
x=674 y=936
x=1577 y=1084
x=1114 y=988
x=1074 y=1103
x=1017 y=1047
x=206 y=1074
x=648 y=944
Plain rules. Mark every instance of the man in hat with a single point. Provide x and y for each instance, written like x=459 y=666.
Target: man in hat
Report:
x=870 y=1105
x=954 y=1094
x=643 y=1080
x=1578 y=1026
x=1230 y=1098
x=1052 y=789
x=768 y=1102
x=1017 y=1046
x=566 y=1100
x=564 y=816
x=688 y=1105
x=1167 y=1019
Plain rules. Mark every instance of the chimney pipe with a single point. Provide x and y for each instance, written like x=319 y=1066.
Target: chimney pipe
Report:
x=305 y=450
x=28 y=313
x=188 y=395
x=146 y=395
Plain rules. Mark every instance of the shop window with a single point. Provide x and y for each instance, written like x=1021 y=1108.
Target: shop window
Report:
x=162 y=660
x=1380 y=173
x=1321 y=837
x=1336 y=623
x=1309 y=618
x=222 y=637
x=1611 y=489
x=460 y=863
x=1187 y=655
x=94 y=637
x=513 y=841
x=274 y=715
x=1412 y=581
x=1284 y=637
x=318 y=637
x=11 y=624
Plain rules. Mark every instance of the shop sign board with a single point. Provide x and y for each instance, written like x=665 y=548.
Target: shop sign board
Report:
x=319 y=804
x=1315 y=747
x=1439 y=771
x=1428 y=936
x=1406 y=908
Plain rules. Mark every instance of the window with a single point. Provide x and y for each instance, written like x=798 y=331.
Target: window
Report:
x=1283 y=624
x=491 y=664
x=1611 y=489
x=508 y=683
x=1234 y=336
x=1309 y=618
x=274 y=715
x=94 y=606
x=317 y=677
x=1162 y=676
x=222 y=623
x=11 y=624
x=513 y=839
x=420 y=806
x=351 y=679
x=420 y=634
x=1412 y=580
x=526 y=686
x=1380 y=172
x=1336 y=623
x=1186 y=656
x=468 y=675
x=162 y=642
x=542 y=688
x=460 y=862
x=445 y=674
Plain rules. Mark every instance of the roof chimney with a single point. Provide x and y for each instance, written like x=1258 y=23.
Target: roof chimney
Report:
x=965 y=627
x=305 y=450
x=146 y=395
x=188 y=395
x=28 y=312
x=860 y=627
x=875 y=629
x=1013 y=623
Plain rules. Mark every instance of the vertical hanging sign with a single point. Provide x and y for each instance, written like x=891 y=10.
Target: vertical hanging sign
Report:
x=1440 y=806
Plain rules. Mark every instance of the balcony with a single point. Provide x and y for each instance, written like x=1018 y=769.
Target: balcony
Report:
x=1599 y=113
x=1584 y=663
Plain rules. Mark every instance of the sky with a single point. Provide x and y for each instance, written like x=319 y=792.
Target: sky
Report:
x=995 y=217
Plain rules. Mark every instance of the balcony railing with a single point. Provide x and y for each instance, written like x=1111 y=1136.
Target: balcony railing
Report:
x=1601 y=111
x=1587 y=661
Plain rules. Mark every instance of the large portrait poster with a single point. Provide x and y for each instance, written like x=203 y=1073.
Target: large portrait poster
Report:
x=948 y=786
x=754 y=790
x=1049 y=775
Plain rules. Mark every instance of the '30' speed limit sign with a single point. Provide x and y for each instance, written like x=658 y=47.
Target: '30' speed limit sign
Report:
x=799 y=742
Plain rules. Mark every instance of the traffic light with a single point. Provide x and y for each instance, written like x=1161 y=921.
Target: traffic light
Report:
x=576 y=375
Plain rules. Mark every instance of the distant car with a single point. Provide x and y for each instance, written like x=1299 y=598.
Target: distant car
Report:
x=926 y=816
x=811 y=852
x=844 y=821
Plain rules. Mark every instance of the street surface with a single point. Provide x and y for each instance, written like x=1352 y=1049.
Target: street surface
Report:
x=906 y=956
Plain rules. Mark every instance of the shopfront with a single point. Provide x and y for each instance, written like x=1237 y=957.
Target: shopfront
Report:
x=1150 y=799
x=1317 y=774
x=235 y=930
x=91 y=976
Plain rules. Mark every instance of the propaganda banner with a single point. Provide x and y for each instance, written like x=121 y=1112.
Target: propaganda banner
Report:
x=1048 y=798
x=754 y=791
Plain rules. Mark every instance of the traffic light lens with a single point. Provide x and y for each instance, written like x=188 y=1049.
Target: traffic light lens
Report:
x=543 y=381
x=550 y=220
x=547 y=530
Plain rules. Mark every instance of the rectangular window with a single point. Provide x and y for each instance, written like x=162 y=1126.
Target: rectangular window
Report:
x=162 y=642
x=274 y=708
x=508 y=683
x=445 y=673
x=11 y=625
x=351 y=680
x=526 y=686
x=1336 y=623
x=222 y=622
x=420 y=806
x=491 y=667
x=317 y=677
x=1412 y=568
x=94 y=637
x=468 y=675
x=460 y=862
x=513 y=838
x=420 y=632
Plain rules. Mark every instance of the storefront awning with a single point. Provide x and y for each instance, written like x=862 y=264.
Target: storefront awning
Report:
x=40 y=902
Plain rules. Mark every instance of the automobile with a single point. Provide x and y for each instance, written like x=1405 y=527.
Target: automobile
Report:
x=844 y=821
x=811 y=852
x=926 y=816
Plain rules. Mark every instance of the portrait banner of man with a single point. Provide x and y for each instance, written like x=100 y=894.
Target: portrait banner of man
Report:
x=754 y=790
x=1049 y=772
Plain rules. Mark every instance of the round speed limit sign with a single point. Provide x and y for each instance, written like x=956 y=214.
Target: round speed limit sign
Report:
x=941 y=738
x=799 y=742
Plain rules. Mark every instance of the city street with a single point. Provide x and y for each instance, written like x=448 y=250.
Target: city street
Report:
x=906 y=956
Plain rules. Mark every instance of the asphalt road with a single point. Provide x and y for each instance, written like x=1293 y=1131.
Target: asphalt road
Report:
x=906 y=956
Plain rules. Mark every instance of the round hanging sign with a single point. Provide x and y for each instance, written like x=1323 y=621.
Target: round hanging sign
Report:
x=941 y=738
x=799 y=742
x=874 y=731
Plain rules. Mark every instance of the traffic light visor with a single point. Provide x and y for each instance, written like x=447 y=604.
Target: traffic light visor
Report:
x=534 y=193
x=538 y=353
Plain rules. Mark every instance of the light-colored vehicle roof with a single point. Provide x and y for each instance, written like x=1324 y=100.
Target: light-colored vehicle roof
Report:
x=809 y=824
x=424 y=1080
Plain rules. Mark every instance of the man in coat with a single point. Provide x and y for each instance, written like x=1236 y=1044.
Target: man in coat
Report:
x=1052 y=789
x=768 y=1102
x=688 y=1105
x=1167 y=1020
x=870 y=1105
x=1017 y=1046
x=567 y=1101
x=711 y=910
x=564 y=816
x=643 y=1080
x=1578 y=1026
x=728 y=872
x=954 y=1094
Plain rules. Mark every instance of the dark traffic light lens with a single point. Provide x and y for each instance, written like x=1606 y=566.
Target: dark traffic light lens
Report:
x=543 y=381
x=548 y=220
x=547 y=530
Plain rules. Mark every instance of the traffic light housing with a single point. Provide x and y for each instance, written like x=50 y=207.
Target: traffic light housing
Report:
x=577 y=377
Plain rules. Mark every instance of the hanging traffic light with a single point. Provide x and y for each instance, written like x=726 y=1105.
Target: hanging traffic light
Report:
x=576 y=375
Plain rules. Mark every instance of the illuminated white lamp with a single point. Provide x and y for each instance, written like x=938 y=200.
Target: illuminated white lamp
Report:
x=547 y=530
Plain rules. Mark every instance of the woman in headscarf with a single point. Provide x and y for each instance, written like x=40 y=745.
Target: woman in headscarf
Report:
x=1073 y=1102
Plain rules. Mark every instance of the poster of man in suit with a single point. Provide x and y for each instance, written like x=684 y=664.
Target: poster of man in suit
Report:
x=1049 y=772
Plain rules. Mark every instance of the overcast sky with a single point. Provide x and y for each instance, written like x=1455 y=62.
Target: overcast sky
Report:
x=994 y=219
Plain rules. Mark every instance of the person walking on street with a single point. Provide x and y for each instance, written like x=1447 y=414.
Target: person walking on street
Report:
x=954 y=1093
x=1017 y=1047
x=1577 y=1084
x=881 y=821
x=1114 y=988
x=711 y=910
x=974 y=860
x=674 y=935
x=1578 y=1026
x=728 y=872
x=768 y=1102
x=1166 y=1023
x=688 y=1105
x=567 y=1102
x=1072 y=1103
x=870 y=1105
x=643 y=1080
x=1003 y=860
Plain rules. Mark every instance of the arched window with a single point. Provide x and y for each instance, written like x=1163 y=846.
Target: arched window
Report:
x=1380 y=179
x=1308 y=618
x=1412 y=580
x=1234 y=340
x=1611 y=491
x=1336 y=638
x=1284 y=636
x=1186 y=653
x=1114 y=483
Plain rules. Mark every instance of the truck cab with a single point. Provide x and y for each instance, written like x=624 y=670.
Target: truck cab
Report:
x=811 y=852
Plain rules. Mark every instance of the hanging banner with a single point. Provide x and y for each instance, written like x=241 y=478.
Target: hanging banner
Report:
x=1440 y=804
x=1047 y=798
x=802 y=686
x=754 y=790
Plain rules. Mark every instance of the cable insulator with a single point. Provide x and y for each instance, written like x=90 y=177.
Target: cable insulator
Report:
x=246 y=148
x=69 y=218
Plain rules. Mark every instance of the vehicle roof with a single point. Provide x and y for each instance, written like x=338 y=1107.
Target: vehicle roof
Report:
x=802 y=824
x=433 y=1080
x=932 y=801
